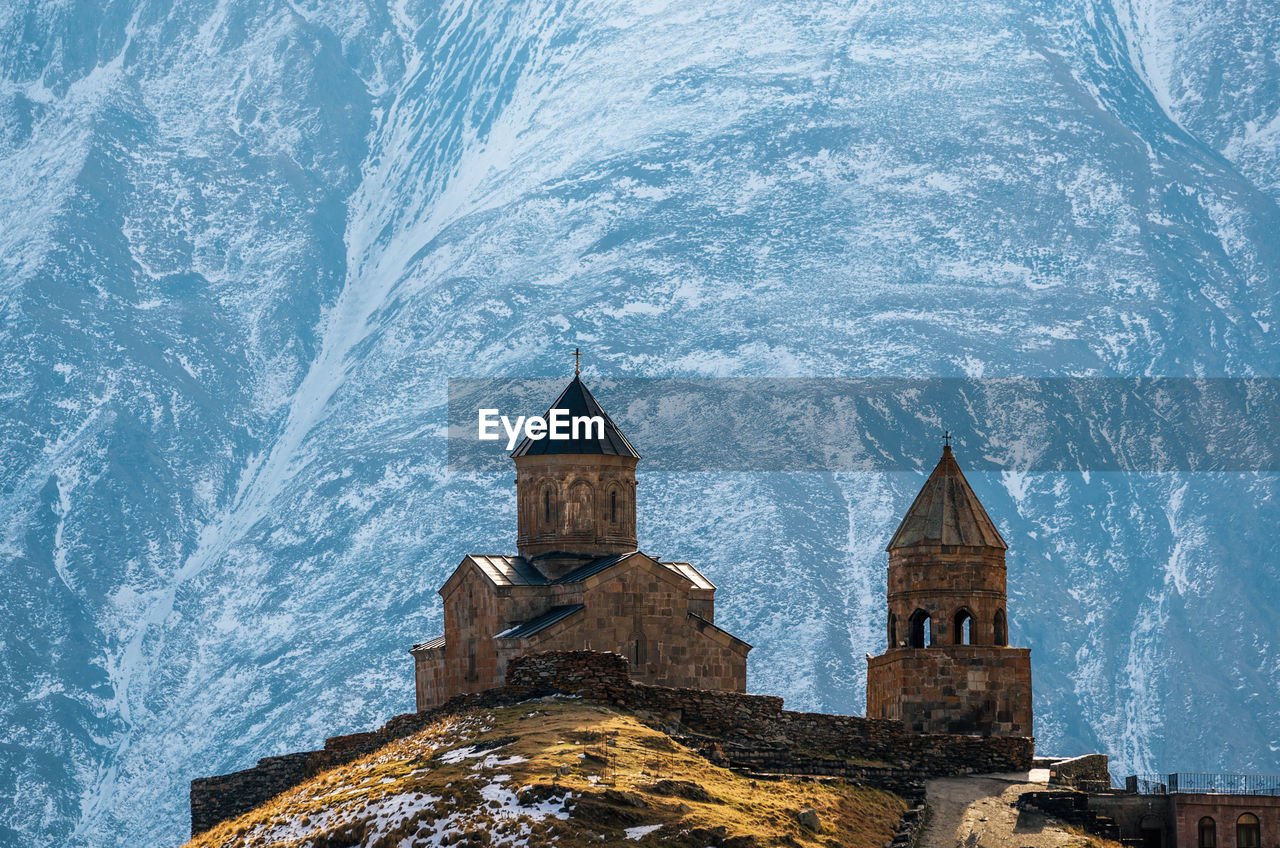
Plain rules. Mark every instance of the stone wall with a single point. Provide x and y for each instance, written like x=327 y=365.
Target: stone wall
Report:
x=953 y=689
x=753 y=732
x=760 y=718
x=216 y=799
x=1088 y=772
x=428 y=675
x=641 y=609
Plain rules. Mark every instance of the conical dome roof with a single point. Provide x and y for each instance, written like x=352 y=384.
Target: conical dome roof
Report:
x=577 y=401
x=947 y=512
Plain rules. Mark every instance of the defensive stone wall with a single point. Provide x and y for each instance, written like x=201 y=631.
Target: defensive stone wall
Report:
x=761 y=718
x=752 y=732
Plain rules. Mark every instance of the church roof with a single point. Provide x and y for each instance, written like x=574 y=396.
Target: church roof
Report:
x=430 y=644
x=577 y=401
x=508 y=570
x=594 y=567
x=542 y=622
x=947 y=512
x=691 y=574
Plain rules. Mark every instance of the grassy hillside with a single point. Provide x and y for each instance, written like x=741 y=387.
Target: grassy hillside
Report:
x=554 y=772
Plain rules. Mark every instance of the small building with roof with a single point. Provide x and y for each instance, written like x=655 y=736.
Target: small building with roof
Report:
x=578 y=580
x=949 y=667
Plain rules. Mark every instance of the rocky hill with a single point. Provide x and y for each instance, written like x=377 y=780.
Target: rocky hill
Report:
x=555 y=771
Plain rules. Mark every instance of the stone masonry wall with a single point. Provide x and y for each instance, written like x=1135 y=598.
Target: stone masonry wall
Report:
x=428 y=676
x=753 y=732
x=1088 y=772
x=953 y=689
x=761 y=718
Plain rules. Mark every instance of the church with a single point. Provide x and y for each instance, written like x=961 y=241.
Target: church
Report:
x=577 y=580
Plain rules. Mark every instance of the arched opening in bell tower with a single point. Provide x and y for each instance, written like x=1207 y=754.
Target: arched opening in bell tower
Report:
x=920 y=630
x=1001 y=629
x=963 y=633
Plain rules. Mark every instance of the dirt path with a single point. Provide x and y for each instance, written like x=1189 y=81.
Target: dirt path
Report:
x=978 y=812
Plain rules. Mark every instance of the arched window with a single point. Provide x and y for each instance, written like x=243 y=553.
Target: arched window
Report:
x=546 y=504
x=1208 y=833
x=893 y=631
x=1001 y=629
x=964 y=628
x=613 y=506
x=1248 y=833
x=581 y=506
x=920 y=635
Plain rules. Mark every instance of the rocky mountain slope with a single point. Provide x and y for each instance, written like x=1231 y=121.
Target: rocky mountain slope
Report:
x=555 y=772
x=245 y=243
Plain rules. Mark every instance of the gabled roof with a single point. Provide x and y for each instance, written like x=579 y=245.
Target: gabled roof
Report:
x=691 y=574
x=508 y=570
x=594 y=567
x=430 y=644
x=542 y=622
x=947 y=512
x=718 y=633
x=577 y=401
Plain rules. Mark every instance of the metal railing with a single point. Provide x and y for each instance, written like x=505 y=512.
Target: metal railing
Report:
x=1203 y=783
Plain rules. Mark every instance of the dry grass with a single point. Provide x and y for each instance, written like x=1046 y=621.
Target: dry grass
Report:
x=1089 y=840
x=555 y=772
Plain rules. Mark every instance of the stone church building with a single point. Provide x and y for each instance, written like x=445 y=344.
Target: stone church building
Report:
x=949 y=667
x=577 y=580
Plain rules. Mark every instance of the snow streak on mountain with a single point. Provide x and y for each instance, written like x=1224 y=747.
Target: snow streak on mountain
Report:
x=244 y=243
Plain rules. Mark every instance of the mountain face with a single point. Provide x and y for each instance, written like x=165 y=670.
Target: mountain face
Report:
x=245 y=243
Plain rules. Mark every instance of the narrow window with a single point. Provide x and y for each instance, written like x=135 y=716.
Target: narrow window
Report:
x=613 y=507
x=1248 y=833
x=893 y=631
x=1001 y=629
x=963 y=634
x=546 y=505
x=920 y=630
x=1208 y=833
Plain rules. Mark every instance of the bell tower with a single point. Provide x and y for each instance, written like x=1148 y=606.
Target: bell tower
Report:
x=576 y=497
x=949 y=667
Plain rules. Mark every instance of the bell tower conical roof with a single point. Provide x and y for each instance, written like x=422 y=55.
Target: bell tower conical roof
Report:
x=577 y=401
x=947 y=512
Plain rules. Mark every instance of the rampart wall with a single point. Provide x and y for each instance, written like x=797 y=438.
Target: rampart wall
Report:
x=752 y=732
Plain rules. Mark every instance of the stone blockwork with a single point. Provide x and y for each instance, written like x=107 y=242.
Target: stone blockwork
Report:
x=580 y=503
x=659 y=615
x=1088 y=772
x=953 y=689
x=760 y=719
x=753 y=732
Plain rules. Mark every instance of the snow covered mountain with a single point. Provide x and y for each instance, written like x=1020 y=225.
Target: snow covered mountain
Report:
x=245 y=243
